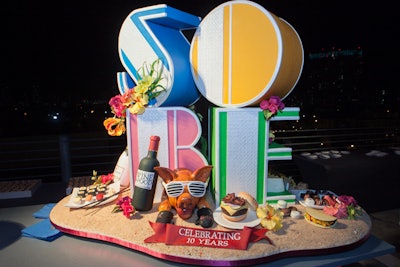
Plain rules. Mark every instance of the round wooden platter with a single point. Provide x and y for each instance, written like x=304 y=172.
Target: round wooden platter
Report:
x=297 y=237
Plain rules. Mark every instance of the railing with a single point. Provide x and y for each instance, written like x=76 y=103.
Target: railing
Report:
x=314 y=140
x=57 y=158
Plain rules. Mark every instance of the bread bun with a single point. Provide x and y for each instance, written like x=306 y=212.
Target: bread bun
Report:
x=250 y=200
x=234 y=208
x=234 y=218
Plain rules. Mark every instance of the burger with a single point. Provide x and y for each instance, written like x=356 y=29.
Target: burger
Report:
x=235 y=207
x=319 y=218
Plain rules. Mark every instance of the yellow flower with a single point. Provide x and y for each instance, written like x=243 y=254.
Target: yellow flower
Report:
x=137 y=108
x=142 y=98
x=271 y=218
x=144 y=84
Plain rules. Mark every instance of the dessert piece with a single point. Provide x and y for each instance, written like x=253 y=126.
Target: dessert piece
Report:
x=282 y=204
x=295 y=214
x=288 y=211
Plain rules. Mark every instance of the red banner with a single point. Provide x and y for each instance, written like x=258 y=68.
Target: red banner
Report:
x=171 y=234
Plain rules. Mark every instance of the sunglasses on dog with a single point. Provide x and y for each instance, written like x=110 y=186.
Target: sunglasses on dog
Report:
x=175 y=189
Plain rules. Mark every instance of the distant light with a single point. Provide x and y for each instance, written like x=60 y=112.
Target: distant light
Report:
x=92 y=111
x=322 y=144
x=54 y=116
x=25 y=113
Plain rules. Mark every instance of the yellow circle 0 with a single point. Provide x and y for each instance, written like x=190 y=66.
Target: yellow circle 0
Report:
x=241 y=54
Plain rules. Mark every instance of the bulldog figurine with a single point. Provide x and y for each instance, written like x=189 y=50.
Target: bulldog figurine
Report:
x=185 y=191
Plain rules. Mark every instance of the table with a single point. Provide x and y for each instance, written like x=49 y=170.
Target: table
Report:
x=75 y=251
x=372 y=180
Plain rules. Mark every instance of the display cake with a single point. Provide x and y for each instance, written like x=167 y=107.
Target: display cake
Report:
x=165 y=75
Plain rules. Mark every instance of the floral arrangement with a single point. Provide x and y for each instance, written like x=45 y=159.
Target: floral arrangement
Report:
x=102 y=179
x=343 y=207
x=136 y=99
x=125 y=205
x=271 y=106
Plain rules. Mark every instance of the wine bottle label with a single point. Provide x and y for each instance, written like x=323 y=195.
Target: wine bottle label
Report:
x=144 y=179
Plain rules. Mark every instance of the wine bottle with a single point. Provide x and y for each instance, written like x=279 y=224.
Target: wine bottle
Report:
x=146 y=178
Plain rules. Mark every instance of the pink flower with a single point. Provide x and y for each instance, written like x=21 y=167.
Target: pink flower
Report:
x=117 y=106
x=341 y=212
x=330 y=210
x=271 y=106
x=264 y=104
x=276 y=101
x=345 y=207
x=348 y=200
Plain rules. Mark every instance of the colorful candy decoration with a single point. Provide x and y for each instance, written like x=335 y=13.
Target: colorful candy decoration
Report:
x=179 y=129
x=152 y=33
x=241 y=54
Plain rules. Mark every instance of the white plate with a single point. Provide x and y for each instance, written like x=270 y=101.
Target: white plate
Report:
x=250 y=221
x=302 y=202
x=113 y=187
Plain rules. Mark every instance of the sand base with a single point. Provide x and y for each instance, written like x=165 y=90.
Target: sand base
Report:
x=297 y=237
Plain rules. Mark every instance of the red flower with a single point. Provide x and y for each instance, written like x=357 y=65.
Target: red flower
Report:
x=106 y=178
x=125 y=205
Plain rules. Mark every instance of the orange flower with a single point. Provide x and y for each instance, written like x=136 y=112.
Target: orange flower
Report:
x=114 y=126
x=128 y=97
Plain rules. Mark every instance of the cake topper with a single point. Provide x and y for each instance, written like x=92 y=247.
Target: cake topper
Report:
x=185 y=191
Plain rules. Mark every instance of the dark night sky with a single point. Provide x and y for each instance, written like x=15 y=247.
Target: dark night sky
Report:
x=70 y=47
